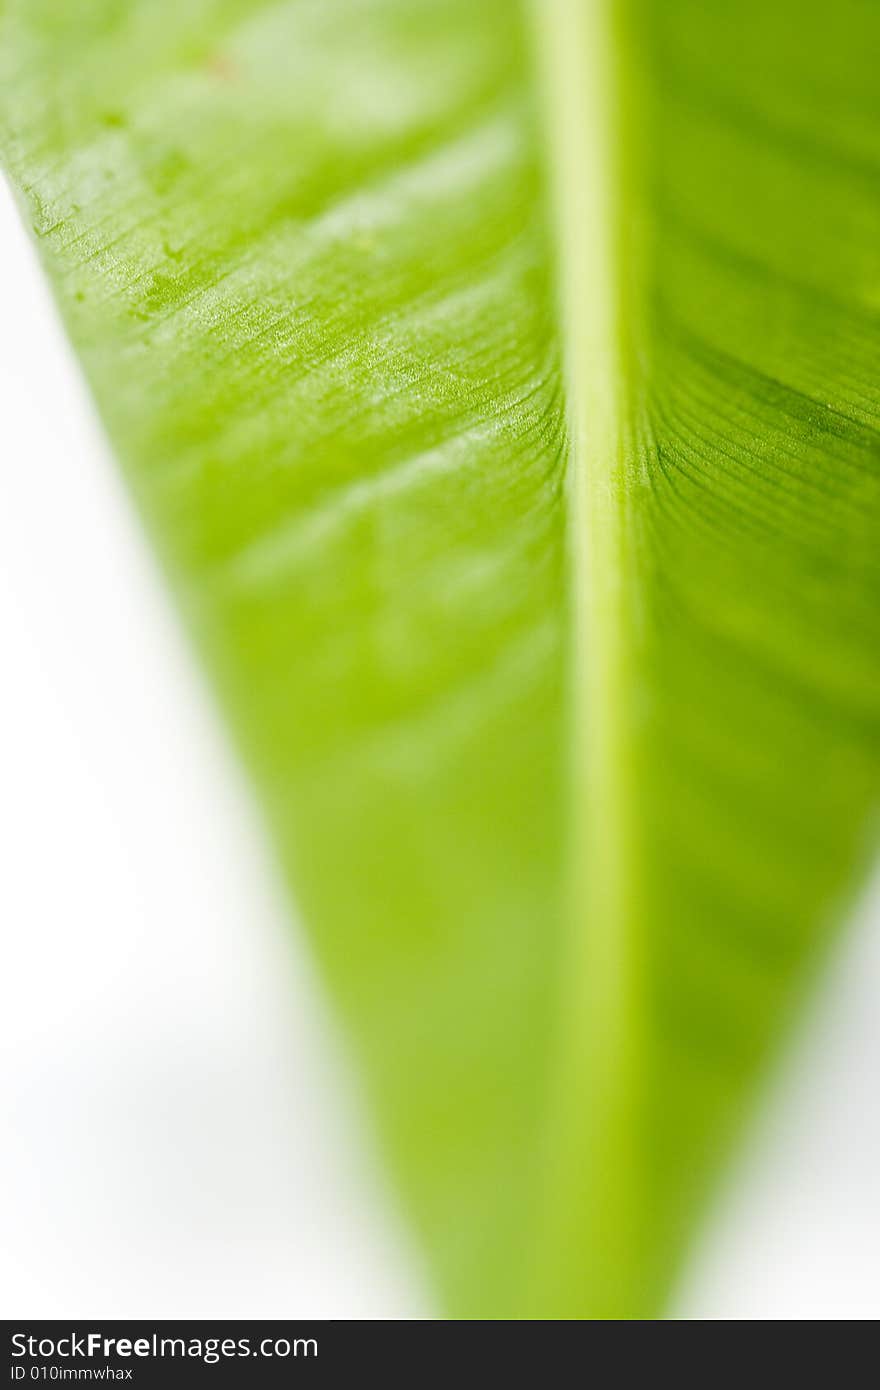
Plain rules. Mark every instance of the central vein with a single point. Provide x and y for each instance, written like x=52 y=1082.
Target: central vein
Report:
x=589 y=1218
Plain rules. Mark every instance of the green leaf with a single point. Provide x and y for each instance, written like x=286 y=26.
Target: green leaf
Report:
x=501 y=389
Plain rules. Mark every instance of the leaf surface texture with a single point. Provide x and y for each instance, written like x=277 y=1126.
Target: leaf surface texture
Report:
x=501 y=388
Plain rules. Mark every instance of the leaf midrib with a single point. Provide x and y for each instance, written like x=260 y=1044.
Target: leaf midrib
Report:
x=589 y=1207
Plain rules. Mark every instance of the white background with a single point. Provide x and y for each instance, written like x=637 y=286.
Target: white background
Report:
x=180 y=1135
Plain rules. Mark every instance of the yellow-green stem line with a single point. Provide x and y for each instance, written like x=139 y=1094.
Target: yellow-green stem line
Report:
x=589 y=1215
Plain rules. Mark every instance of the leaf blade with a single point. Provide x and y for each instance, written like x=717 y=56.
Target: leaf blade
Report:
x=312 y=290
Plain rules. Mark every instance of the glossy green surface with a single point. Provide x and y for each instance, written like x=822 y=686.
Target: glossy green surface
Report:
x=501 y=390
